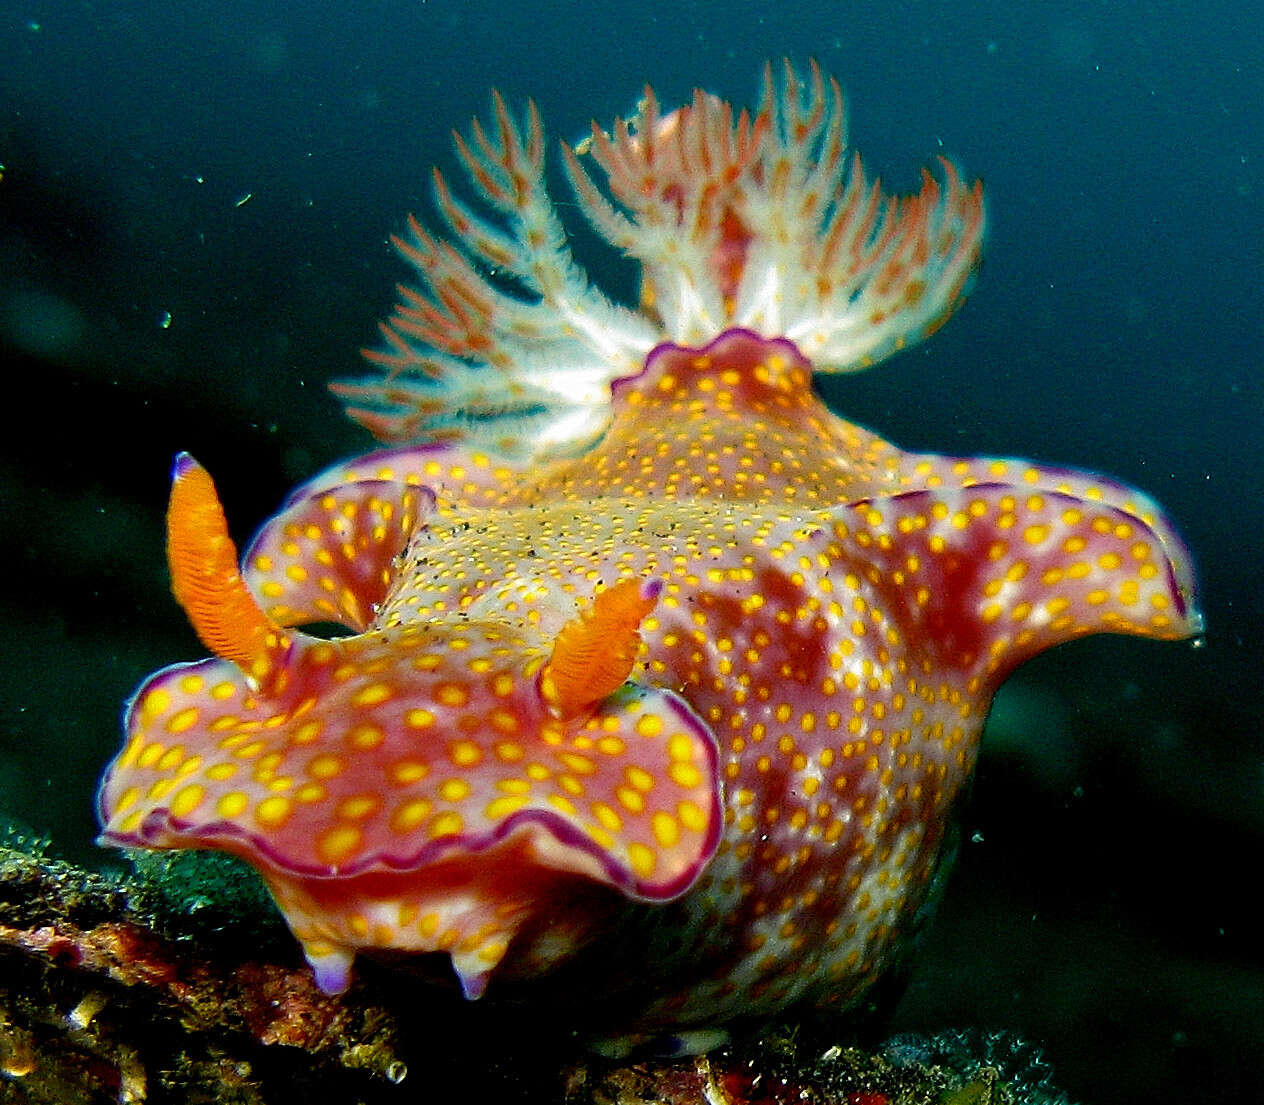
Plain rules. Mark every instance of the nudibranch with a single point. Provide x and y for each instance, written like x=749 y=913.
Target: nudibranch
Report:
x=659 y=678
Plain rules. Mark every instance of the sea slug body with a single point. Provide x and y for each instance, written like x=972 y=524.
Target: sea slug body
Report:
x=657 y=672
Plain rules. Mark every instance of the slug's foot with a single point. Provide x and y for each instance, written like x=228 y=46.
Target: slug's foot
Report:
x=331 y=966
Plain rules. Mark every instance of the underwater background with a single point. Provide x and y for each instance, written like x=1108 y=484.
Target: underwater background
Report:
x=194 y=206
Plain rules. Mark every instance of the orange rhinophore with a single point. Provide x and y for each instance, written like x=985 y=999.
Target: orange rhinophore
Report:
x=206 y=579
x=594 y=653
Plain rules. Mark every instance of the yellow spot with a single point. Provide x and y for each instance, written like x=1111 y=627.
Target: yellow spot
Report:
x=632 y=800
x=185 y=719
x=451 y=694
x=680 y=747
x=409 y=815
x=454 y=790
x=581 y=765
x=359 y=806
x=640 y=778
x=409 y=771
x=561 y=802
x=338 y=844
x=684 y=775
x=365 y=737
x=232 y=804
x=171 y=757
x=493 y=952
x=503 y=807
x=156 y=702
x=504 y=721
x=649 y=726
x=150 y=755
x=419 y=719
x=311 y=792
x=446 y=824
x=372 y=695
x=643 y=859
x=187 y=799
x=133 y=750
x=273 y=812
x=308 y=732
x=465 y=753
x=607 y=816
x=325 y=767
x=666 y=829
x=160 y=789
x=691 y=816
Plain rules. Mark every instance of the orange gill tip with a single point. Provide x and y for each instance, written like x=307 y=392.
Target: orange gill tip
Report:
x=594 y=653
x=205 y=577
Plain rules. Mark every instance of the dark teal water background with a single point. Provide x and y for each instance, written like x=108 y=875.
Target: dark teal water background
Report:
x=193 y=214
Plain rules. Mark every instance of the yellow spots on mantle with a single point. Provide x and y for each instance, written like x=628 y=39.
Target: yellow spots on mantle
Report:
x=409 y=815
x=365 y=738
x=465 y=753
x=407 y=772
x=339 y=844
x=666 y=829
x=446 y=824
x=325 y=767
x=273 y=812
x=643 y=859
x=187 y=799
x=359 y=807
x=232 y=805
x=454 y=790
x=372 y=695
x=452 y=695
x=183 y=720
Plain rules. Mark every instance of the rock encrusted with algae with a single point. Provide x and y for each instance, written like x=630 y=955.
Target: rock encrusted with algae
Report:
x=176 y=983
x=104 y=998
x=779 y=1068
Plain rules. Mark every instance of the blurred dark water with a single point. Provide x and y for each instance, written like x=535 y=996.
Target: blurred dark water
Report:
x=193 y=215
